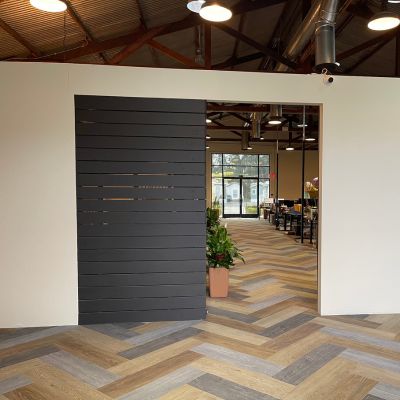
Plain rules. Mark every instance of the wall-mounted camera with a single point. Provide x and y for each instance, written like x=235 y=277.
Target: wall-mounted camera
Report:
x=326 y=77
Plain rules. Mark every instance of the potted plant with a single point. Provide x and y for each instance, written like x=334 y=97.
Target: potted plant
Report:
x=212 y=219
x=216 y=207
x=221 y=255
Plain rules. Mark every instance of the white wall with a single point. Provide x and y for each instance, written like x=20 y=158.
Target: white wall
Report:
x=359 y=261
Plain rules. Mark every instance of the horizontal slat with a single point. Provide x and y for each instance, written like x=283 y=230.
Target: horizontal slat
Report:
x=141 y=193
x=137 y=267
x=145 y=315
x=139 y=104
x=128 y=292
x=168 y=278
x=139 y=117
x=140 y=180
x=141 y=205
x=139 y=155
x=140 y=143
x=143 y=230
x=139 y=130
x=126 y=167
x=137 y=304
x=141 y=254
x=163 y=217
x=147 y=242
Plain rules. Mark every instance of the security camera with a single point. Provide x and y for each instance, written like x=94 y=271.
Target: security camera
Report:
x=328 y=79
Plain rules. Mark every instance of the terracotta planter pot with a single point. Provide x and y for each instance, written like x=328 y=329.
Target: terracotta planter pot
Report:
x=219 y=282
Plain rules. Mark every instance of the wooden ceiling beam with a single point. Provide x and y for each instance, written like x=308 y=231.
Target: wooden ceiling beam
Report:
x=261 y=108
x=366 y=57
x=386 y=37
x=237 y=41
x=77 y=19
x=136 y=45
x=174 y=55
x=12 y=32
x=232 y=62
x=263 y=49
x=207 y=45
x=264 y=128
x=190 y=21
x=221 y=126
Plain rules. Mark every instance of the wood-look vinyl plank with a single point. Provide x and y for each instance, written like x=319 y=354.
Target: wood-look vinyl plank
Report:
x=163 y=385
x=378 y=374
x=229 y=306
x=147 y=360
x=372 y=397
x=14 y=382
x=230 y=323
x=230 y=314
x=385 y=391
x=98 y=339
x=187 y=392
x=81 y=369
x=27 y=355
x=227 y=389
x=335 y=380
x=288 y=325
x=113 y=330
x=236 y=345
x=149 y=326
x=97 y=355
x=354 y=321
x=131 y=382
x=60 y=383
x=302 y=368
x=257 y=381
x=270 y=301
x=161 y=332
x=373 y=360
x=159 y=343
x=362 y=337
x=354 y=328
x=19 y=369
x=242 y=360
x=33 y=392
x=232 y=333
x=279 y=316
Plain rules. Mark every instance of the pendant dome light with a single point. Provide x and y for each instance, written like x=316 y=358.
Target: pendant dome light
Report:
x=384 y=19
x=49 y=5
x=215 y=12
x=275 y=115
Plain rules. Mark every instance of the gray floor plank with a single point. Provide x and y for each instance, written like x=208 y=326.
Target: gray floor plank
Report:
x=310 y=363
x=227 y=390
x=27 y=355
x=158 y=333
x=163 y=385
x=243 y=360
x=159 y=343
x=10 y=384
x=386 y=392
x=372 y=397
x=35 y=336
x=81 y=369
x=113 y=330
x=232 y=315
x=371 y=359
x=287 y=325
x=359 y=337
x=270 y=301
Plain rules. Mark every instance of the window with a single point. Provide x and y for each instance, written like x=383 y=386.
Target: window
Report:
x=255 y=166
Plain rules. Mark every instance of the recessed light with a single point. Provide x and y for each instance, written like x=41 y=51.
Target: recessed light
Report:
x=49 y=5
x=215 y=13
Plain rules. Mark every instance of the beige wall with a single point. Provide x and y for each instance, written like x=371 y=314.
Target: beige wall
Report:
x=289 y=167
x=359 y=268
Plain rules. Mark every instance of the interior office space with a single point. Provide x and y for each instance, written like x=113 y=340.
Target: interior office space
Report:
x=107 y=173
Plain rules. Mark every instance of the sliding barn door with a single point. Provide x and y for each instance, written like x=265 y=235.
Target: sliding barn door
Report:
x=140 y=172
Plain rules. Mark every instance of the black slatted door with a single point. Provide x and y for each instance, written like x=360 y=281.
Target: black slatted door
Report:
x=140 y=173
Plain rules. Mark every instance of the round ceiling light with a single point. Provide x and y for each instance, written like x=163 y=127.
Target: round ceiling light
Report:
x=383 y=21
x=274 y=121
x=195 y=5
x=215 y=13
x=289 y=148
x=208 y=120
x=49 y=5
x=310 y=139
x=302 y=125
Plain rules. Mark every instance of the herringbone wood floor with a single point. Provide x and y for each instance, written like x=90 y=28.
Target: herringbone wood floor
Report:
x=265 y=341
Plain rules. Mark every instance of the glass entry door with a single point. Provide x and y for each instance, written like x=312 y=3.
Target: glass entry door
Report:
x=240 y=197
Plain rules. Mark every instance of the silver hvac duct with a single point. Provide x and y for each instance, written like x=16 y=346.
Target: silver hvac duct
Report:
x=256 y=125
x=245 y=140
x=322 y=12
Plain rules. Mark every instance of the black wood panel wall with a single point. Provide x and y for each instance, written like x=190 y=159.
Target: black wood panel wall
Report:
x=140 y=166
